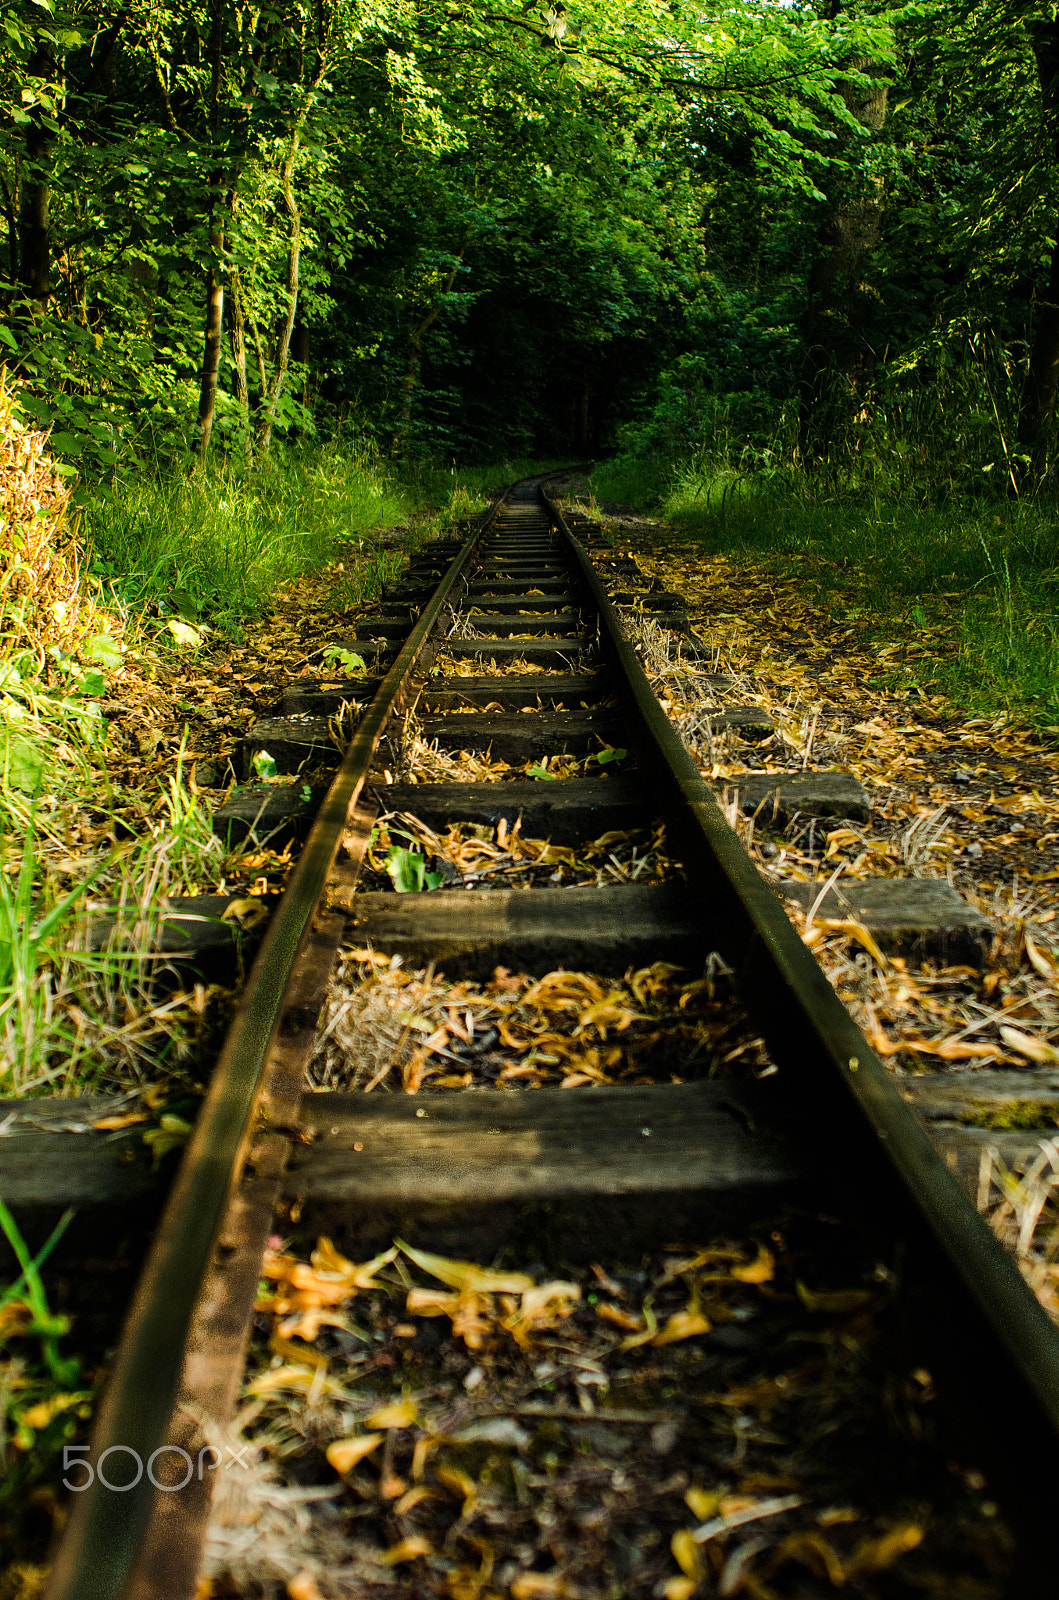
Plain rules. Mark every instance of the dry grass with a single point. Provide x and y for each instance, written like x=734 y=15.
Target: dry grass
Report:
x=395 y=1027
x=1021 y=1204
x=44 y=604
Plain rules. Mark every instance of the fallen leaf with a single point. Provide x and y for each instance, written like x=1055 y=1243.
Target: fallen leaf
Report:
x=466 y=1276
x=1025 y=1043
x=304 y=1587
x=407 y=1550
x=184 y=633
x=833 y=1302
x=682 y=1325
x=399 y=1414
x=872 y=1555
x=1043 y=963
x=538 y=1586
x=761 y=1270
x=686 y=1554
x=343 y=1454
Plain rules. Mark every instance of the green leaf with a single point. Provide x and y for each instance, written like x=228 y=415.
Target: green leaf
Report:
x=538 y=771
x=265 y=765
x=68 y=443
x=23 y=764
x=349 y=659
x=408 y=873
x=104 y=648
x=609 y=753
x=184 y=633
x=93 y=684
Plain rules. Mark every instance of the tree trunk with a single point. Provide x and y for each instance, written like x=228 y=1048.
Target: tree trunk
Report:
x=270 y=400
x=211 y=346
x=237 y=345
x=1041 y=384
x=840 y=306
x=34 y=211
x=270 y=394
x=211 y=354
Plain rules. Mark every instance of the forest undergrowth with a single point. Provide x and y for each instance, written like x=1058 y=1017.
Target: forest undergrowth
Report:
x=114 y=601
x=979 y=578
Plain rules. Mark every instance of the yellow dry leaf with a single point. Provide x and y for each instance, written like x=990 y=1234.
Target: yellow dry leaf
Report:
x=872 y=1555
x=840 y=837
x=562 y=990
x=304 y=1354
x=1042 y=961
x=608 y=1312
x=680 y=1588
x=682 y=1325
x=538 y=1586
x=283 y=1378
x=834 y=1302
x=606 y=1014
x=432 y=1302
x=466 y=1275
x=343 y=1454
x=391 y=1486
x=702 y=1503
x=398 y=1414
x=408 y=1550
x=409 y=1501
x=761 y=1270
x=541 y=1307
x=1025 y=1043
x=814 y=1544
x=125 y=1121
x=469 y=1324
x=460 y=1483
x=248 y=913
x=421 y=1454
x=853 y=930
x=327 y=1259
x=686 y=1553
x=952 y=1049
x=303 y=1587
x=307 y=1324
x=316 y=1290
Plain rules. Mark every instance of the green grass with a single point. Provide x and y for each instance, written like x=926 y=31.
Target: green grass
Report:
x=981 y=581
x=222 y=543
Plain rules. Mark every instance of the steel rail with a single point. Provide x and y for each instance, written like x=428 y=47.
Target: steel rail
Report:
x=1008 y=1349
x=99 y=1550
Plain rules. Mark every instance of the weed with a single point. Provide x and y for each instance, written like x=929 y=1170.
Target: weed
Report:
x=42 y=1403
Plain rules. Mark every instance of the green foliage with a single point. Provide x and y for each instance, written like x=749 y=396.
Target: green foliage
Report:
x=336 y=656
x=227 y=540
x=265 y=766
x=987 y=576
x=407 y=870
x=42 y=1402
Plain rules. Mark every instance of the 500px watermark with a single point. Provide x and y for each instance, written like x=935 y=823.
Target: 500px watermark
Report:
x=208 y=1459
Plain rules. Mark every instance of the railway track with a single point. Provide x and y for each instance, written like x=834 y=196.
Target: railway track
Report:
x=509 y=646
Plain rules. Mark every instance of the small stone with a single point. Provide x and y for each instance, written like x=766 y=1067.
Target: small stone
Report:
x=973 y=850
x=664 y=1436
